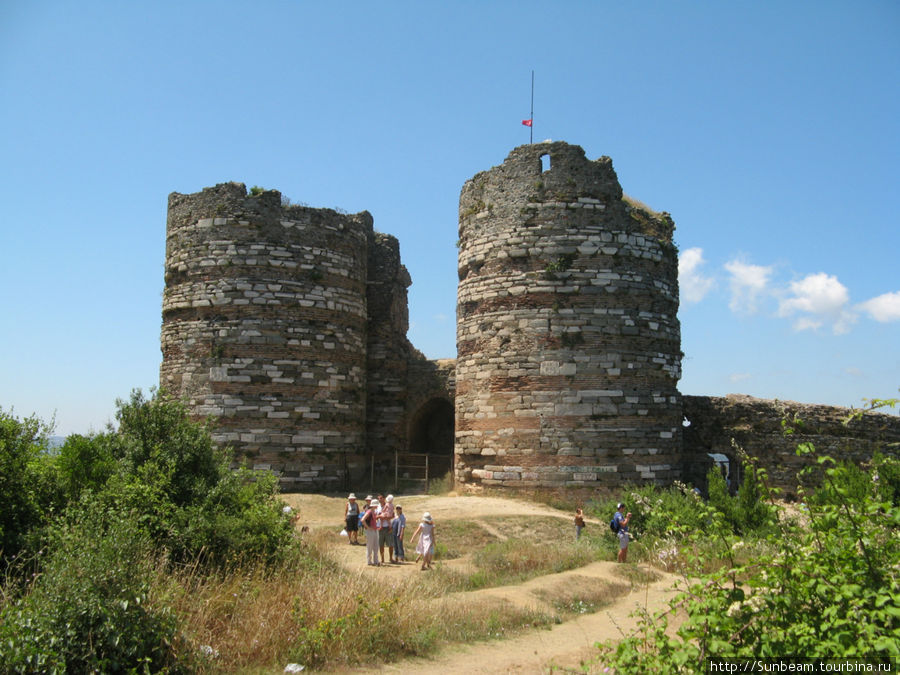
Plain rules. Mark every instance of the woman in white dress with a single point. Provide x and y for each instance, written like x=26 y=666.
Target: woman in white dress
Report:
x=425 y=545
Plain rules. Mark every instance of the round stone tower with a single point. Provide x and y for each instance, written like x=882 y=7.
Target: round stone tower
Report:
x=264 y=328
x=569 y=346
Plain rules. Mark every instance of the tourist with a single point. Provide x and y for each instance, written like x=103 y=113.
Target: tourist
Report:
x=351 y=520
x=622 y=520
x=579 y=523
x=385 y=534
x=370 y=525
x=425 y=547
x=362 y=510
x=398 y=527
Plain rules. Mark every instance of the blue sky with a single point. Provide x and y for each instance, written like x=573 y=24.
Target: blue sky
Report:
x=768 y=130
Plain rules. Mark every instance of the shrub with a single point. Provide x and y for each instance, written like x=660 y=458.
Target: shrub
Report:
x=88 y=611
x=185 y=491
x=661 y=512
x=27 y=495
x=831 y=589
x=84 y=463
x=747 y=511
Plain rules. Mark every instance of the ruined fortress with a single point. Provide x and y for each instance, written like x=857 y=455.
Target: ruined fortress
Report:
x=287 y=325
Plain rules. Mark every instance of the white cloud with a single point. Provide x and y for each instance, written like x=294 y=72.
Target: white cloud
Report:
x=739 y=377
x=884 y=308
x=816 y=299
x=747 y=283
x=694 y=286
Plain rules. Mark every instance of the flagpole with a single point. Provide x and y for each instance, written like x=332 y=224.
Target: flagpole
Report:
x=531 y=126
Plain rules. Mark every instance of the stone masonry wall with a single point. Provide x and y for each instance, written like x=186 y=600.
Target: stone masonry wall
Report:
x=755 y=425
x=567 y=333
x=287 y=325
x=264 y=328
x=387 y=349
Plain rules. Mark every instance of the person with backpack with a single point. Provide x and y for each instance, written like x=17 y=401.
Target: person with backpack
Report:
x=619 y=525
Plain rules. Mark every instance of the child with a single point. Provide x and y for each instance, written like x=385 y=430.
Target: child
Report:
x=426 y=542
x=579 y=523
x=398 y=527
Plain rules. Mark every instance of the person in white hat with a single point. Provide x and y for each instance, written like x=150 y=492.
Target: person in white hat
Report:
x=385 y=534
x=351 y=520
x=425 y=547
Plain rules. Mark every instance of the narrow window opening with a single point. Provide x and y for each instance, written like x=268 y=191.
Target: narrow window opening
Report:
x=545 y=163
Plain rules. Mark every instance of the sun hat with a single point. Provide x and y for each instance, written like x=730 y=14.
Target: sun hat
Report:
x=427 y=517
x=369 y=498
x=389 y=498
x=287 y=510
x=397 y=506
x=352 y=496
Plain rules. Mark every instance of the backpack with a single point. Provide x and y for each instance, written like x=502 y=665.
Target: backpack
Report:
x=614 y=526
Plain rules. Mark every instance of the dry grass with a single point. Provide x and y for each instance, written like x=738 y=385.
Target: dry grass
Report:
x=578 y=595
x=312 y=611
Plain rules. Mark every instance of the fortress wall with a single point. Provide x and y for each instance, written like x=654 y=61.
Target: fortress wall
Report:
x=567 y=332
x=755 y=425
x=387 y=348
x=264 y=328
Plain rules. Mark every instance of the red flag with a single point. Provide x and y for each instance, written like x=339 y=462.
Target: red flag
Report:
x=527 y=123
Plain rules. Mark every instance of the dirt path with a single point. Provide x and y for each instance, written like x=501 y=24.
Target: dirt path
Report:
x=563 y=646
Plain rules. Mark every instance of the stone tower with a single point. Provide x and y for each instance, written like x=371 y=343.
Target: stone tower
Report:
x=568 y=341
x=265 y=329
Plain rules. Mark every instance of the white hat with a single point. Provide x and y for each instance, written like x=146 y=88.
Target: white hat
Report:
x=389 y=498
x=286 y=510
x=352 y=495
x=427 y=517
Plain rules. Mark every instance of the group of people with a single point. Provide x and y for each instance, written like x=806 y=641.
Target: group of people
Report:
x=619 y=524
x=384 y=525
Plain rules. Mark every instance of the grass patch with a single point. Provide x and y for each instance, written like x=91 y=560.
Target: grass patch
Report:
x=310 y=610
x=456 y=538
x=637 y=576
x=579 y=595
x=517 y=560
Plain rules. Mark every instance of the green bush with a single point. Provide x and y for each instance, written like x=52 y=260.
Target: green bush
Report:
x=157 y=441
x=747 y=511
x=85 y=463
x=88 y=610
x=28 y=493
x=828 y=589
x=886 y=478
x=183 y=489
x=661 y=512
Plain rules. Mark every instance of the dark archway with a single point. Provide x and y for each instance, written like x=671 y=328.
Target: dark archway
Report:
x=431 y=432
